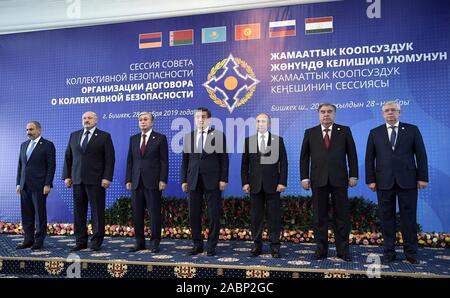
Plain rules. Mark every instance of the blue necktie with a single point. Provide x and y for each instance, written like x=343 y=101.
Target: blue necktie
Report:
x=85 y=141
x=393 y=136
x=30 y=149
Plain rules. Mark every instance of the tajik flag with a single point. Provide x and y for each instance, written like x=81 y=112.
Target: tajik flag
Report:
x=318 y=25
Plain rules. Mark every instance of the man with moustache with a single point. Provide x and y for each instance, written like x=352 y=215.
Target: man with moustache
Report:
x=89 y=167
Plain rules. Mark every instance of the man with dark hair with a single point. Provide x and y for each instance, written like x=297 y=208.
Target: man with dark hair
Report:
x=204 y=174
x=35 y=174
x=325 y=151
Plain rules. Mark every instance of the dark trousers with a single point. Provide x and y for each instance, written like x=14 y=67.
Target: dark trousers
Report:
x=95 y=196
x=339 y=198
x=34 y=216
x=268 y=204
x=141 y=198
x=214 y=202
x=407 y=202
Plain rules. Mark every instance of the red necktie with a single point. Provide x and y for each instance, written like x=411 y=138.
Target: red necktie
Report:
x=143 y=145
x=326 y=139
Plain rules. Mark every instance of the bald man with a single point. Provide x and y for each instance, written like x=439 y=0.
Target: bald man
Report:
x=89 y=167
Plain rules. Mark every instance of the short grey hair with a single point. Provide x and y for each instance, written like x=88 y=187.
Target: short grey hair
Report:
x=147 y=114
x=391 y=103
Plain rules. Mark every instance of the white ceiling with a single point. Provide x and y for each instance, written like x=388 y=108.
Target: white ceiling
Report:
x=33 y=15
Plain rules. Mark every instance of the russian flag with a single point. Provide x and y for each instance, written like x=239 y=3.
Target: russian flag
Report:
x=282 y=28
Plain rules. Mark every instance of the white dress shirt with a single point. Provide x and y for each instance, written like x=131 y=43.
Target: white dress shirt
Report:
x=147 y=135
x=91 y=133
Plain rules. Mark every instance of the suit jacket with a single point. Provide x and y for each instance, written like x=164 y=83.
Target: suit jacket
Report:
x=95 y=164
x=264 y=170
x=153 y=166
x=39 y=170
x=321 y=165
x=406 y=164
x=212 y=164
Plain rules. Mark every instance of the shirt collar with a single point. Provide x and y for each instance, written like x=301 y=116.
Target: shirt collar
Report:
x=206 y=129
x=148 y=133
x=36 y=140
x=266 y=134
x=91 y=131
x=396 y=124
x=329 y=128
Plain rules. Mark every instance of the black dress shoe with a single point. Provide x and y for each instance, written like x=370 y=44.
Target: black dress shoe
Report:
x=24 y=245
x=78 y=247
x=413 y=260
x=196 y=251
x=255 y=252
x=95 y=247
x=388 y=259
x=346 y=258
x=36 y=247
x=275 y=253
x=211 y=252
x=137 y=248
x=155 y=250
x=319 y=256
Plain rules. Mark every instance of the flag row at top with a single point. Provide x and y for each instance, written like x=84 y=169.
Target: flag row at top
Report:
x=285 y=28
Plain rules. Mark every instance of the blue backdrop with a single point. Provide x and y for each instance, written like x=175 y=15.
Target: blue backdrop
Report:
x=283 y=61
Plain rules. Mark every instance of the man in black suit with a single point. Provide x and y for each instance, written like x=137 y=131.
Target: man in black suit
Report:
x=204 y=173
x=264 y=172
x=146 y=176
x=35 y=174
x=326 y=149
x=89 y=167
x=396 y=166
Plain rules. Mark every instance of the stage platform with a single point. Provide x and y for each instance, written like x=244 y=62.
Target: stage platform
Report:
x=232 y=261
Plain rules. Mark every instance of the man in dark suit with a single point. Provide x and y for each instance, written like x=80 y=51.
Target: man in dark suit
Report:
x=89 y=167
x=264 y=172
x=326 y=149
x=146 y=176
x=396 y=166
x=204 y=173
x=35 y=174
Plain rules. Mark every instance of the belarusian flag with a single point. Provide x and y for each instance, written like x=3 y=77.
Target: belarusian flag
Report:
x=318 y=25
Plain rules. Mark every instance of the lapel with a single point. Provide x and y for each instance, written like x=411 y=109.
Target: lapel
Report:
x=335 y=133
x=318 y=135
x=93 y=138
x=150 y=142
x=385 y=135
x=78 y=138
x=136 y=143
x=193 y=141
x=209 y=141
x=401 y=130
x=253 y=144
x=24 y=150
